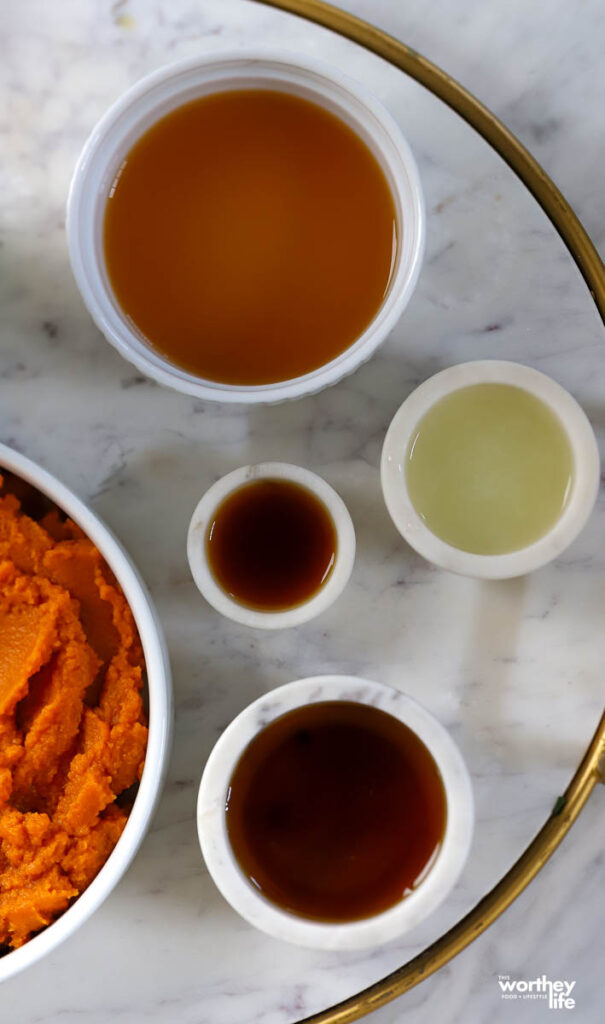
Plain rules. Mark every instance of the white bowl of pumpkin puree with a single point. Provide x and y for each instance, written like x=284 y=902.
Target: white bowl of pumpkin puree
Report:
x=85 y=712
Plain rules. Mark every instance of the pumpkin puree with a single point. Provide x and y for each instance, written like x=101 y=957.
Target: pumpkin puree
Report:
x=72 y=725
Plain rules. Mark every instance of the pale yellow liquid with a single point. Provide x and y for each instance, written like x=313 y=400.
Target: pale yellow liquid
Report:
x=489 y=469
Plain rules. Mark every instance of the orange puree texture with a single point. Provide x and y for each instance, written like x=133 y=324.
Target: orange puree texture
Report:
x=72 y=725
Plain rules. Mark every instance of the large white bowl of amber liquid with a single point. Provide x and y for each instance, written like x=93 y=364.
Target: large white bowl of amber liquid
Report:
x=246 y=226
x=490 y=469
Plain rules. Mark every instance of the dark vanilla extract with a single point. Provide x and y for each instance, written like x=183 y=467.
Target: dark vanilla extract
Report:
x=271 y=545
x=335 y=811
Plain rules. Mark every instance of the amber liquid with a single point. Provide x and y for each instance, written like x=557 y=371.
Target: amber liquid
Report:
x=249 y=235
x=335 y=811
x=271 y=545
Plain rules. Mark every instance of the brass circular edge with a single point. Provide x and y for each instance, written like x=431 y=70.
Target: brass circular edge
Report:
x=590 y=770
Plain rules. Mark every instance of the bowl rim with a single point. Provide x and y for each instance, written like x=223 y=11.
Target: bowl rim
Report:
x=399 y=166
x=585 y=480
x=205 y=581
x=267 y=916
x=160 y=713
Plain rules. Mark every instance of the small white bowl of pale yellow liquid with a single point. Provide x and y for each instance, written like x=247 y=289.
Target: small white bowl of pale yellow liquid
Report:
x=490 y=469
x=246 y=227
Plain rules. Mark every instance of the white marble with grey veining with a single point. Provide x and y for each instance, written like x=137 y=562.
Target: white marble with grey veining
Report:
x=513 y=669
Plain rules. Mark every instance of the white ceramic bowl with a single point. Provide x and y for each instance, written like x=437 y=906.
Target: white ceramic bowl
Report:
x=585 y=483
x=262 y=913
x=202 y=518
x=170 y=87
x=160 y=713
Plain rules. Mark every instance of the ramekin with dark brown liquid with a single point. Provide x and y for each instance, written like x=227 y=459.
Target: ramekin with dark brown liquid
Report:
x=271 y=545
x=335 y=813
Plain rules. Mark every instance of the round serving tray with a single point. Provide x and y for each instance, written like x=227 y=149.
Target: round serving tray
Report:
x=591 y=769
x=512 y=669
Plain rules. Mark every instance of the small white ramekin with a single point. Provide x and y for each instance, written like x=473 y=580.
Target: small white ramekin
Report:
x=262 y=913
x=169 y=87
x=585 y=482
x=329 y=591
x=159 y=690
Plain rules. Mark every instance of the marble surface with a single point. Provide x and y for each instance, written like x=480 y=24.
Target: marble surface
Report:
x=513 y=669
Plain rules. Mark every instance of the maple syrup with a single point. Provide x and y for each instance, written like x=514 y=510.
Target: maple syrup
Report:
x=335 y=811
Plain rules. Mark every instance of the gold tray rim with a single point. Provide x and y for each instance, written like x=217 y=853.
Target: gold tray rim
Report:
x=591 y=769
